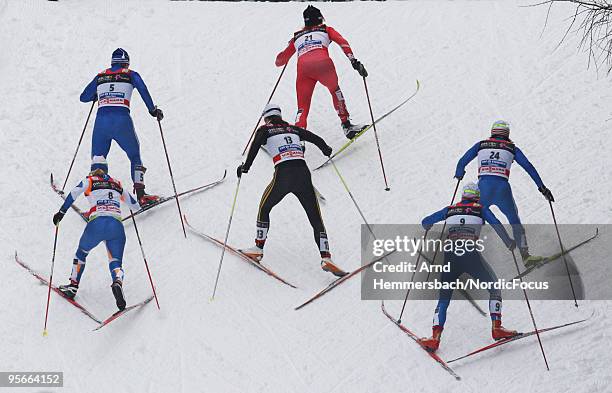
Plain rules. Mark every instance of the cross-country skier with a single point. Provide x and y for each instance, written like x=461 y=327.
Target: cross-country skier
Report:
x=314 y=65
x=291 y=175
x=464 y=221
x=104 y=195
x=112 y=88
x=495 y=157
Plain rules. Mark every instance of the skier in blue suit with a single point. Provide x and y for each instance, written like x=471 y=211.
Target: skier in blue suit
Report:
x=112 y=88
x=495 y=157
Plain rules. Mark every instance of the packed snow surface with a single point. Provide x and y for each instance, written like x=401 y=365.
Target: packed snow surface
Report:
x=210 y=67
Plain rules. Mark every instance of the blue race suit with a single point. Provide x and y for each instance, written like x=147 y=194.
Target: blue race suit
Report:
x=104 y=195
x=471 y=262
x=112 y=89
x=494 y=186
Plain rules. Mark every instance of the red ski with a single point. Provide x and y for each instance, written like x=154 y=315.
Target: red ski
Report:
x=55 y=289
x=340 y=280
x=517 y=337
x=123 y=312
x=235 y=251
x=413 y=336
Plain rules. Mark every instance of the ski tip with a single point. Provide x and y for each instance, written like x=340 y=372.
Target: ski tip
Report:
x=45 y=333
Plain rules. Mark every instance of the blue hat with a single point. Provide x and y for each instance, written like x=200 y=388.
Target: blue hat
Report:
x=99 y=162
x=120 y=56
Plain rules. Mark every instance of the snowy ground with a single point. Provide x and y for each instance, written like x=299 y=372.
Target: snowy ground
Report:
x=210 y=67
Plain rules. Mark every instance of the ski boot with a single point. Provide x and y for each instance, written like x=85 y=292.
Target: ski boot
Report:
x=255 y=253
x=351 y=130
x=117 y=288
x=69 y=290
x=499 y=332
x=328 y=266
x=431 y=344
x=145 y=199
x=528 y=259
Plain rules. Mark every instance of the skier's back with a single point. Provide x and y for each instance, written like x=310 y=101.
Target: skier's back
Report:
x=104 y=195
x=291 y=175
x=495 y=157
x=314 y=65
x=113 y=88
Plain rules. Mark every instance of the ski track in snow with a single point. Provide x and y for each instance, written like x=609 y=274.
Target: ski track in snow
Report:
x=210 y=67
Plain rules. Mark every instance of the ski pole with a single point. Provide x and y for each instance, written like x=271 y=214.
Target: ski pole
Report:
x=260 y=116
x=399 y=319
x=352 y=197
x=144 y=257
x=569 y=277
x=78 y=145
x=226 y=236
x=50 y=280
x=178 y=204
x=530 y=311
x=382 y=165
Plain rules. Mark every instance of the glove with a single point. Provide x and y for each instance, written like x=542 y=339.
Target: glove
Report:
x=359 y=67
x=459 y=176
x=427 y=227
x=57 y=217
x=547 y=194
x=156 y=112
x=241 y=169
x=511 y=245
x=327 y=151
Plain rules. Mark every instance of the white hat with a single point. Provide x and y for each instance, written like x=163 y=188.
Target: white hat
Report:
x=271 y=110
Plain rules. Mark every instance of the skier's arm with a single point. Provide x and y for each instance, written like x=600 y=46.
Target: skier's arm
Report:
x=258 y=142
x=465 y=160
x=316 y=140
x=283 y=57
x=522 y=160
x=74 y=194
x=143 y=91
x=338 y=39
x=497 y=226
x=431 y=219
x=91 y=91
x=130 y=201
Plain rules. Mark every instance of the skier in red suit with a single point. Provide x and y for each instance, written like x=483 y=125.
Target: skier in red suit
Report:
x=314 y=65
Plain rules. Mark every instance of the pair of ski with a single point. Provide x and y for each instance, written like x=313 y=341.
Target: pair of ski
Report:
x=271 y=273
x=161 y=201
x=101 y=323
x=556 y=256
x=444 y=364
x=369 y=126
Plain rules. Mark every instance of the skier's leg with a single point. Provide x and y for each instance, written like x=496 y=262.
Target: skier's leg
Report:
x=115 y=244
x=507 y=206
x=326 y=73
x=305 y=193
x=304 y=86
x=101 y=136
x=127 y=139
x=479 y=269
x=432 y=343
x=446 y=294
x=91 y=237
x=273 y=194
